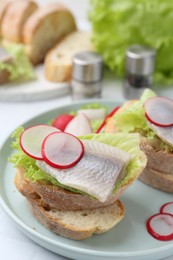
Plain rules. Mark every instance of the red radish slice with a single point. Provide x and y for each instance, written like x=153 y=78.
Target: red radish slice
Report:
x=160 y=226
x=62 y=121
x=167 y=208
x=159 y=111
x=79 y=125
x=32 y=138
x=104 y=121
x=62 y=150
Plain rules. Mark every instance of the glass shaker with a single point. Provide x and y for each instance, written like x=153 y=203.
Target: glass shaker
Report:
x=139 y=66
x=87 y=72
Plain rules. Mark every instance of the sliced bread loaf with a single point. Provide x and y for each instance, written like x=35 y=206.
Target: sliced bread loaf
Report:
x=15 y=17
x=46 y=27
x=58 y=62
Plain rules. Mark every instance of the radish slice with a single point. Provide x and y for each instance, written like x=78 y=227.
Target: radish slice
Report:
x=62 y=150
x=32 y=138
x=104 y=121
x=80 y=125
x=160 y=226
x=62 y=121
x=167 y=208
x=159 y=111
x=94 y=114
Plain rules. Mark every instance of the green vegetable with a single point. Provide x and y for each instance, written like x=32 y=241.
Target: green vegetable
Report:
x=126 y=142
x=132 y=119
x=117 y=24
x=20 y=68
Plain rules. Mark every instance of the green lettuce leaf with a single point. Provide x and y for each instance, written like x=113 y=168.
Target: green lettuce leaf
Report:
x=21 y=68
x=127 y=142
x=118 y=24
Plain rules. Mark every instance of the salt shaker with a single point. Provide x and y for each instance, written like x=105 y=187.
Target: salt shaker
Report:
x=87 y=71
x=140 y=63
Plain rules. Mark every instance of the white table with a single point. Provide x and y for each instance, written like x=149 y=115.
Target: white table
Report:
x=13 y=244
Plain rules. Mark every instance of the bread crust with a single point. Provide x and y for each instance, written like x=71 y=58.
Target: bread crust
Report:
x=3 y=9
x=15 y=17
x=157 y=179
x=157 y=160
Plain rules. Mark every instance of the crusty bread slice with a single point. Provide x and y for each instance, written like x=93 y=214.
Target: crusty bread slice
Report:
x=46 y=27
x=3 y=9
x=157 y=179
x=157 y=159
x=57 y=197
x=78 y=224
x=58 y=62
x=15 y=17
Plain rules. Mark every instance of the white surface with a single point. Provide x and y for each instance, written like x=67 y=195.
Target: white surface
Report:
x=13 y=244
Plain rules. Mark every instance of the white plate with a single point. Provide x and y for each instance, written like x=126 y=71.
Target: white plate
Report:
x=128 y=240
x=34 y=90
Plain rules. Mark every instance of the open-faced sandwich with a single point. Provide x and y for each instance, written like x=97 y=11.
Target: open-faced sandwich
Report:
x=152 y=117
x=73 y=184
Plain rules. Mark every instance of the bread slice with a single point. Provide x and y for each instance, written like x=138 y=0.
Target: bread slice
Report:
x=15 y=17
x=157 y=159
x=46 y=27
x=3 y=9
x=56 y=197
x=157 y=179
x=58 y=62
x=78 y=224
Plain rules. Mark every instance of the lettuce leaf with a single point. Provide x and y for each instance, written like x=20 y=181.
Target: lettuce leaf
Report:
x=126 y=142
x=21 y=68
x=118 y=24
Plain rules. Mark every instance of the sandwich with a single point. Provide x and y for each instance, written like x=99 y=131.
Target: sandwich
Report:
x=73 y=184
x=149 y=116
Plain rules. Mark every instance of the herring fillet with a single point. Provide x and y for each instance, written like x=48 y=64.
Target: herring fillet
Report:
x=165 y=133
x=97 y=171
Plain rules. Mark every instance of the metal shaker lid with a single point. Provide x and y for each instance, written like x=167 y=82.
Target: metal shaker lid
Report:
x=87 y=66
x=140 y=60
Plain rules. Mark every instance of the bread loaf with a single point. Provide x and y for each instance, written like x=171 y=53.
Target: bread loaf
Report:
x=15 y=18
x=58 y=62
x=46 y=27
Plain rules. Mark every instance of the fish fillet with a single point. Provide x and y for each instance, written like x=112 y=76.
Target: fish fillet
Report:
x=97 y=171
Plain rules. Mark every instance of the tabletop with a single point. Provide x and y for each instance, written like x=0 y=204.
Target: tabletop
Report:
x=13 y=244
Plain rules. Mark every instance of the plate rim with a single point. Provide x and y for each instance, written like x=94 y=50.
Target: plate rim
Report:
x=28 y=231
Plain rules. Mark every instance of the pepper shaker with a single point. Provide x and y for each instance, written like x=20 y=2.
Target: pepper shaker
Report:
x=139 y=66
x=87 y=71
